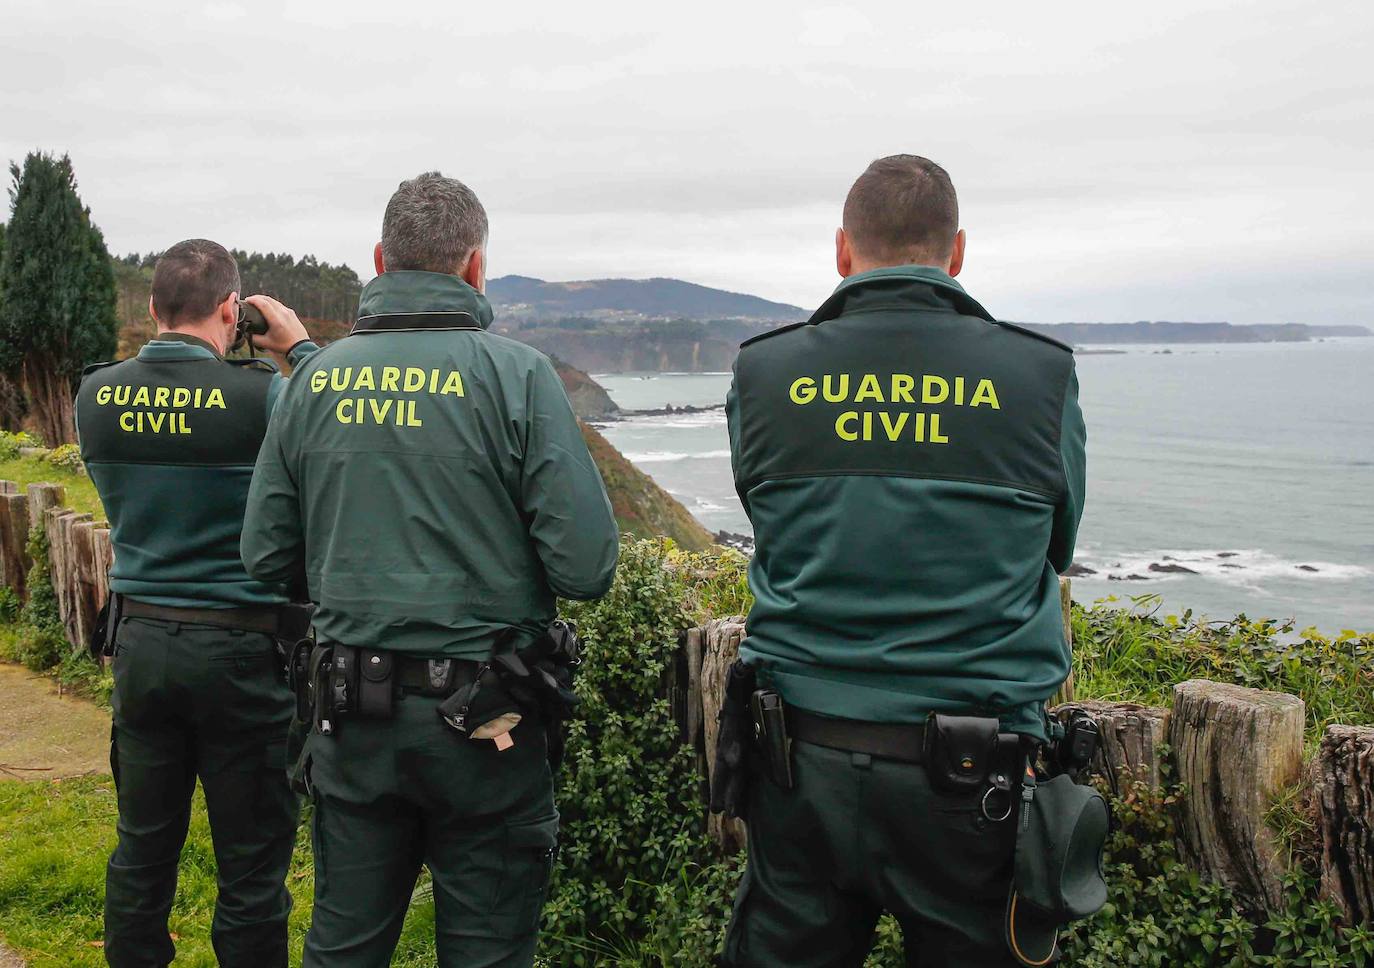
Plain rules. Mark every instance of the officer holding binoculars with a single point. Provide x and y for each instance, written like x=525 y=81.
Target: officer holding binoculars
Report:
x=170 y=438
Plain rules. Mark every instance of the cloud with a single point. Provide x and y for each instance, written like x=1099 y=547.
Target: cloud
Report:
x=1169 y=161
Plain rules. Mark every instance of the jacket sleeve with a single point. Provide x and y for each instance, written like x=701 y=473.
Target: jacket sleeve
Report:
x=732 y=424
x=272 y=545
x=1073 y=439
x=571 y=522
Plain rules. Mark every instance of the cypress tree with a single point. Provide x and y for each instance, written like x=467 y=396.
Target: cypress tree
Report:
x=57 y=292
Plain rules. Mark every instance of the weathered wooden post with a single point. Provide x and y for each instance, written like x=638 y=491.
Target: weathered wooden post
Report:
x=1065 y=693
x=1344 y=775
x=14 y=538
x=1236 y=748
x=720 y=648
x=41 y=498
x=1133 y=741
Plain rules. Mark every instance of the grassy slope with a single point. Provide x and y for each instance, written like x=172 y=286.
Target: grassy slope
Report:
x=81 y=494
x=58 y=836
x=642 y=507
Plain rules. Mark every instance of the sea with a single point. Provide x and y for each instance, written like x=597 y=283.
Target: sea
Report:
x=1222 y=478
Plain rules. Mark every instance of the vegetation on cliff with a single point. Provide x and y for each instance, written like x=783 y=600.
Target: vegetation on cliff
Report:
x=641 y=507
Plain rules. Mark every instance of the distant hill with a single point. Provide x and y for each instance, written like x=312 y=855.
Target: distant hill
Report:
x=524 y=298
x=1166 y=332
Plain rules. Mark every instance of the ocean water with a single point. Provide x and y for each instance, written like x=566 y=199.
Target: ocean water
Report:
x=1252 y=466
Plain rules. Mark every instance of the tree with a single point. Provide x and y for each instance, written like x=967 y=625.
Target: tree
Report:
x=57 y=292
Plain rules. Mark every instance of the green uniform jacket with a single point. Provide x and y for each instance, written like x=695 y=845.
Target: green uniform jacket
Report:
x=433 y=478
x=914 y=471
x=169 y=438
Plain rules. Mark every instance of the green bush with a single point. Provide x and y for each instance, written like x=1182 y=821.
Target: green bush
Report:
x=11 y=442
x=637 y=880
x=1161 y=913
x=1132 y=654
x=67 y=457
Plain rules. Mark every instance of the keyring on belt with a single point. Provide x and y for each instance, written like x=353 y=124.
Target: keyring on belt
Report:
x=983 y=806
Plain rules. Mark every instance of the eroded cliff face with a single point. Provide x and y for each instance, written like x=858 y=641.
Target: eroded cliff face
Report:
x=589 y=399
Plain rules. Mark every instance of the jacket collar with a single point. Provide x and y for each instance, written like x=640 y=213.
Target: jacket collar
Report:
x=900 y=287
x=408 y=300
x=171 y=345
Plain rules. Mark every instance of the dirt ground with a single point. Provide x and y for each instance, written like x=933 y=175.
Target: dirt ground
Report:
x=47 y=736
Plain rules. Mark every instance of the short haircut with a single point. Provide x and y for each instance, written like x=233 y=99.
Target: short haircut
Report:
x=902 y=211
x=432 y=223
x=191 y=279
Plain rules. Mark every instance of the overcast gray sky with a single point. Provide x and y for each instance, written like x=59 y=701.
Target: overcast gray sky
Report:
x=1198 y=160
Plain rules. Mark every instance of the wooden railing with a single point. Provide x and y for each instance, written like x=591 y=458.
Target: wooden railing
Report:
x=1234 y=749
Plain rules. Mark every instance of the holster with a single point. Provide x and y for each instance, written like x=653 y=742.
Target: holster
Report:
x=730 y=773
x=102 y=641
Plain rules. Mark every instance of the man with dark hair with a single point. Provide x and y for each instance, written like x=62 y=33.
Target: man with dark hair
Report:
x=914 y=471
x=170 y=438
x=432 y=480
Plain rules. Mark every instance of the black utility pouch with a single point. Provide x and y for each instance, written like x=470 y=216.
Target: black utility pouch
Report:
x=770 y=727
x=376 y=687
x=960 y=752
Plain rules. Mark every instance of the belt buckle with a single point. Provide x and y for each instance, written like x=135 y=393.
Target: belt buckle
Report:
x=439 y=671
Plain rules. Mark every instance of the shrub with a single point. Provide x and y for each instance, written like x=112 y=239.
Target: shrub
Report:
x=67 y=457
x=637 y=880
x=11 y=442
x=1132 y=654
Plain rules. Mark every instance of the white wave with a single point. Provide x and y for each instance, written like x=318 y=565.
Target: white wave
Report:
x=1237 y=566
x=700 y=418
x=659 y=456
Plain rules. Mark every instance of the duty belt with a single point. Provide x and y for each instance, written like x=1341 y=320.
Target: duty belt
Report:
x=268 y=619
x=904 y=742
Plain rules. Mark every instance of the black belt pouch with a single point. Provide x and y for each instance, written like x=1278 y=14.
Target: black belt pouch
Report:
x=376 y=688
x=960 y=751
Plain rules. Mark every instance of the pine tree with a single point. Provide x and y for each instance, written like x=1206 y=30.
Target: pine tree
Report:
x=57 y=292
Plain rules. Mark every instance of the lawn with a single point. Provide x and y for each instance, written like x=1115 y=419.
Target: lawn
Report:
x=57 y=837
x=81 y=494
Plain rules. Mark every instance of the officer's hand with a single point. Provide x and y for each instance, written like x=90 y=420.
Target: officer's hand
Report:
x=284 y=330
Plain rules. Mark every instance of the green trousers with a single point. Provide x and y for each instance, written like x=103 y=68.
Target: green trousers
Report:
x=193 y=701
x=393 y=795
x=858 y=836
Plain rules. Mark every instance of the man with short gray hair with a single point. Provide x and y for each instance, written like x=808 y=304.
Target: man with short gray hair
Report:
x=431 y=479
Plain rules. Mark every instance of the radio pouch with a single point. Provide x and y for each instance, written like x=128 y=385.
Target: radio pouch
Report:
x=960 y=751
x=376 y=690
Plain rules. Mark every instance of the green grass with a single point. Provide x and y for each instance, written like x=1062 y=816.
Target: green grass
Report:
x=1137 y=654
x=81 y=494
x=56 y=839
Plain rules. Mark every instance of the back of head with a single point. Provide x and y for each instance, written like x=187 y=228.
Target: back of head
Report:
x=191 y=279
x=432 y=224
x=902 y=211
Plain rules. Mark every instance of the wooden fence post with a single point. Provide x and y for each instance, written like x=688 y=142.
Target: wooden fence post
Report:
x=41 y=498
x=1065 y=693
x=1344 y=774
x=720 y=639
x=1236 y=748
x=14 y=538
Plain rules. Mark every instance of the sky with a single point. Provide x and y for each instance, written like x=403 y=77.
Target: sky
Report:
x=1170 y=160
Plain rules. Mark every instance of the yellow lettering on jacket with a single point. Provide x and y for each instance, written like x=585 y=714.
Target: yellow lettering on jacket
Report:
x=939 y=395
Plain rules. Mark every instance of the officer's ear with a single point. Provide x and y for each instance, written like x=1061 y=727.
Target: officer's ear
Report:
x=844 y=255
x=475 y=272
x=229 y=312
x=152 y=311
x=377 y=261
x=956 y=258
